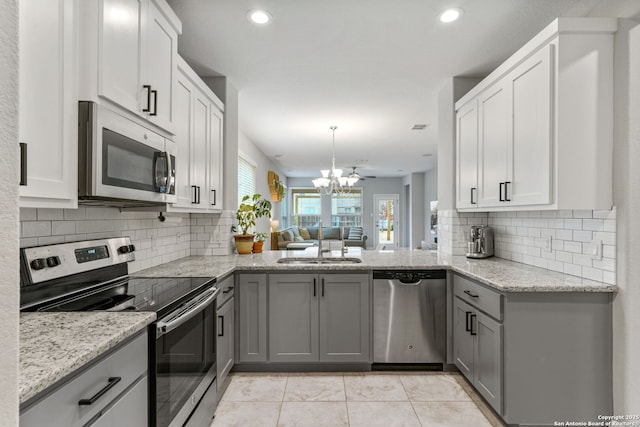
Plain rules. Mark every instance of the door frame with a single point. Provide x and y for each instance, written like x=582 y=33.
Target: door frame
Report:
x=397 y=228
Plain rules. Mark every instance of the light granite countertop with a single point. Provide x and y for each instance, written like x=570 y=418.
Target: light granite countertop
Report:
x=54 y=345
x=503 y=275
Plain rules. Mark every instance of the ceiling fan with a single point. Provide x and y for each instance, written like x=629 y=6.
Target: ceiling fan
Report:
x=355 y=174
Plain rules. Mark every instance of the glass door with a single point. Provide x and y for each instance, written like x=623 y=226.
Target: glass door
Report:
x=386 y=213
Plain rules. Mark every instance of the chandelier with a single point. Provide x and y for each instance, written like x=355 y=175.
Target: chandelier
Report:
x=332 y=180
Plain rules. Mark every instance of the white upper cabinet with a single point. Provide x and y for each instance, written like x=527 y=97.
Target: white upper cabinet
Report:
x=48 y=127
x=199 y=119
x=493 y=144
x=545 y=123
x=129 y=57
x=528 y=173
x=467 y=161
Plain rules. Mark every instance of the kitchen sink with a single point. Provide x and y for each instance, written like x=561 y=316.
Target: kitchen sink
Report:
x=327 y=260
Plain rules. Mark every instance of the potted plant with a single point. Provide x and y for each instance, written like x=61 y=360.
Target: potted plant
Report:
x=259 y=242
x=279 y=191
x=250 y=209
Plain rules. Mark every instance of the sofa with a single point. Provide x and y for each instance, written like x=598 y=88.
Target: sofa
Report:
x=354 y=236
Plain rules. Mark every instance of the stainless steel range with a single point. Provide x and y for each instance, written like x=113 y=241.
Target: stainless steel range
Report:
x=93 y=275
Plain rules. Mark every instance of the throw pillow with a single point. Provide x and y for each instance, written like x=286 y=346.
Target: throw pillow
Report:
x=304 y=233
x=298 y=239
x=287 y=235
x=355 y=233
x=295 y=231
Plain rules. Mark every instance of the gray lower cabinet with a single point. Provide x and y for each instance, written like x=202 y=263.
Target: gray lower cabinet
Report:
x=477 y=350
x=252 y=317
x=225 y=314
x=536 y=357
x=111 y=391
x=319 y=318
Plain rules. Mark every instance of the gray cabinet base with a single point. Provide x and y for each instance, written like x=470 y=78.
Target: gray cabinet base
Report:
x=302 y=367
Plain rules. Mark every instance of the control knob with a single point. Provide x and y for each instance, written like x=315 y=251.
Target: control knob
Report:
x=53 y=261
x=126 y=249
x=38 y=264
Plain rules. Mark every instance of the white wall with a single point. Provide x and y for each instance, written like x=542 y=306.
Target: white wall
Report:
x=263 y=166
x=626 y=179
x=415 y=227
x=430 y=195
x=9 y=285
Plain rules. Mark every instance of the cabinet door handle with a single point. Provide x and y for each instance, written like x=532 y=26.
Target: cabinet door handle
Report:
x=471 y=295
x=323 y=286
x=473 y=316
x=148 y=88
x=23 y=163
x=214 y=198
x=220 y=326
x=314 y=287
x=110 y=384
x=155 y=103
x=501 y=187
x=194 y=198
x=467 y=324
x=472 y=190
x=506 y=191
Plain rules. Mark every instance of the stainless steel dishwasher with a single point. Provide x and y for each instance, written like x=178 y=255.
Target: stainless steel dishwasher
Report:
x=409 y=316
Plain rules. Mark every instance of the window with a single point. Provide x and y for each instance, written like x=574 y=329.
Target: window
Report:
x=305 y=208
x=246 y=179
x=346 y=209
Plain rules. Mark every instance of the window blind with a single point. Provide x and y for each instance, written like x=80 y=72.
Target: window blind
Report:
x=246 y=179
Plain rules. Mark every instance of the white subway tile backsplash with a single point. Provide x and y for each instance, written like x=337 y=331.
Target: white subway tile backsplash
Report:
x=522 y=237
x=156 y=242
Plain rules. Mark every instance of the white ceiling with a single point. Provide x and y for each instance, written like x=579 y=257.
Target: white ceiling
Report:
x=371 y=67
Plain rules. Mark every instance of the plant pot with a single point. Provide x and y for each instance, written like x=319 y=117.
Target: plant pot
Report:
x=257 y=247
x=244 y=243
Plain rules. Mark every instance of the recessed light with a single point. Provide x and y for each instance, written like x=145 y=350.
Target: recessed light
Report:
x=260 y=17
x=419 y=127
x=450 y=15
x=427 y=155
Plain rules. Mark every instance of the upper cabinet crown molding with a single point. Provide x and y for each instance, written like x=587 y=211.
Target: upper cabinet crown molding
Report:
x=544 y=123
x=128 y=58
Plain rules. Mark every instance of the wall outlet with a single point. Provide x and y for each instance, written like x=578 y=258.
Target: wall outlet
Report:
x=547 y=243
x=596 y=250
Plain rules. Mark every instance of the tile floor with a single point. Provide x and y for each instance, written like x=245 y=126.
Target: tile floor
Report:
x=352 y=399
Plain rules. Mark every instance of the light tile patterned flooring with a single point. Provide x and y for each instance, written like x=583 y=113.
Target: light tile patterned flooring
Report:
x=385 y=399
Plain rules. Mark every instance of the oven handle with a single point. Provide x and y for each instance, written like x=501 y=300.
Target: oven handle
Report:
x=203 y=301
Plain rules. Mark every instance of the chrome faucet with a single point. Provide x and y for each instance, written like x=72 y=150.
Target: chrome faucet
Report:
x=320 y=238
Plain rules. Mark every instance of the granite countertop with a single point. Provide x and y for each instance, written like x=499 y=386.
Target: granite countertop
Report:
x=503 y=275
x=54 y=345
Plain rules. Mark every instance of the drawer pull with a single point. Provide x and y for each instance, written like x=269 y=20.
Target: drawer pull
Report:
x=229 y=289
x=471 y=295
x=471 y=329
x=110 y=384
x=467 y=326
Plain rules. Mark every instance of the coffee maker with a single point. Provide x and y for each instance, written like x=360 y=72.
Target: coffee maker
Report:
x=480 y=244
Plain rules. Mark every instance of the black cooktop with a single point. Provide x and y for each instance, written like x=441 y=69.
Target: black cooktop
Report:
x=160 y=295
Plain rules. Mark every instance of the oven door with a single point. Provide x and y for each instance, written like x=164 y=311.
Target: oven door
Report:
x=120 y=159
x=184 y=358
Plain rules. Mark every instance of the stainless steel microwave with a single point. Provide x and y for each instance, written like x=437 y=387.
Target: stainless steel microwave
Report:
x=122 y=162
